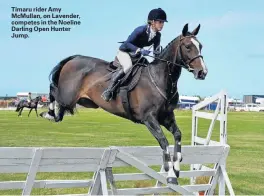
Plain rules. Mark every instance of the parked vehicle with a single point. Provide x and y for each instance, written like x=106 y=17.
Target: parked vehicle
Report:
x=250 y=107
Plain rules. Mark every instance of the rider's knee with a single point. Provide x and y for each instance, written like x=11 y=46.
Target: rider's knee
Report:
x=124 y=59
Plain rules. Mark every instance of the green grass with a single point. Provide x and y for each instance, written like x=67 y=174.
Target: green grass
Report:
x=96 y=128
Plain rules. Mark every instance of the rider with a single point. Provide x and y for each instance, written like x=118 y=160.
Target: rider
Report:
x=142 y=36
x=29 y=99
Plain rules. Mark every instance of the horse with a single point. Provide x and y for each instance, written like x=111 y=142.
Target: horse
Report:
x=24 y=103
x=79 y=79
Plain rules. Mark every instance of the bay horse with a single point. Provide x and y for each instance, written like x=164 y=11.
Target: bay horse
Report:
x=24 y=103
x=82 y=79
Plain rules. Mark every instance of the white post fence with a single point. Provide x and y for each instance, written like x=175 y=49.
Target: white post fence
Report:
x=101 y=161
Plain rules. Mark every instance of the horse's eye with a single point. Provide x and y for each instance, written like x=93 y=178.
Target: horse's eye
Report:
x=187 y=46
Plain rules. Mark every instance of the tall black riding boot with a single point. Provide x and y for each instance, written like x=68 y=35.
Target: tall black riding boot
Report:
x=107 y=94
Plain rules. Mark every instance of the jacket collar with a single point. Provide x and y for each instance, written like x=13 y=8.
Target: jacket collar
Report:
x=148 y=29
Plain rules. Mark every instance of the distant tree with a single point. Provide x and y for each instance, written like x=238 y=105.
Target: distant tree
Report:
x=201 y=99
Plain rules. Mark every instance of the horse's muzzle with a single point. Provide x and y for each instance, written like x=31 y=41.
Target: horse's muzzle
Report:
x=200 y=75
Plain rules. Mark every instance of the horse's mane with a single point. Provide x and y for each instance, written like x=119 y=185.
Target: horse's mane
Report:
x=36 y=98
x=155 y=61
x=167 y=47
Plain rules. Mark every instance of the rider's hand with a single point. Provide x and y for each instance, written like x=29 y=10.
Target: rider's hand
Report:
x=144 y=52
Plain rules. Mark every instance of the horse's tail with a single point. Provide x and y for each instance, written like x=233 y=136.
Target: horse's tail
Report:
x=55 y=72
x=18 y=107
x=54 y=94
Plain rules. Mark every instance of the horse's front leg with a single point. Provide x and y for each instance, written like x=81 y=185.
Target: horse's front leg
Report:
x=170 y=124
x=36 y=110
x=154 y=127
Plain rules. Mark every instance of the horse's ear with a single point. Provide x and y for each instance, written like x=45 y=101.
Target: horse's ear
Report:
x=185 y=30
x=196 y=30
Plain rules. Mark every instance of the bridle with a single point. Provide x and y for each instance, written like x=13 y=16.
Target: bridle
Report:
x=178 y=53
x=185 y=65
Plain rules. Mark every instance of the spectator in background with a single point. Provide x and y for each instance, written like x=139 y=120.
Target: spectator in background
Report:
x=44 y=98
x=29 y=99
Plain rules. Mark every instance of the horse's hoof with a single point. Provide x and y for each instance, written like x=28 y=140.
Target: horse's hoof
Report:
x=172 y=180
x=46 y=115
x=57 y=120
x=166 y=166
x=176 y=172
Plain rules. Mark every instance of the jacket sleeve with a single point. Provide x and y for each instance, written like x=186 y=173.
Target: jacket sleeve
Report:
x=127 y=45
x=156 y=42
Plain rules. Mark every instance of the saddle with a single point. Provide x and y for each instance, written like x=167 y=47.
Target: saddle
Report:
x=129 y=81
x=131 y=78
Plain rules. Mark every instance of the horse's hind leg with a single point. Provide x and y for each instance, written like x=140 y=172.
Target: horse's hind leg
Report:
x=50 y=114
x=19 y=114
x=36 y=110
x=60 y=112
x=30 y=111
x=52 y=103
x=155 y=129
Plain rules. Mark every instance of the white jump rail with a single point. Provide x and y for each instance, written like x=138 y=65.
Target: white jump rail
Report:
x=102 y=161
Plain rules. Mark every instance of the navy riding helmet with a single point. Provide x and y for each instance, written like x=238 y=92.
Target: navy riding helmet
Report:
x=157 y=14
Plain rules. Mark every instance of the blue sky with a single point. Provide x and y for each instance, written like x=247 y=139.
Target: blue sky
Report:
x=231 y=33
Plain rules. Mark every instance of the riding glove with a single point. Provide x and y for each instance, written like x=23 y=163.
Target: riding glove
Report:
x=144 y=52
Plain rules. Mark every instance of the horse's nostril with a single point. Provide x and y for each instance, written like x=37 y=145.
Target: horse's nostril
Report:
x=200 y=73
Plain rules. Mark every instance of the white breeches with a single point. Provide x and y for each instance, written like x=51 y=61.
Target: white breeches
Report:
x=125 y=60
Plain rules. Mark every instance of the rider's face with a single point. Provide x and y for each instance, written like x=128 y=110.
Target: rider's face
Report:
x=158 y=25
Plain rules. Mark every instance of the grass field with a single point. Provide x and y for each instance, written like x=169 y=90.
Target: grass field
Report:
x=91 y=128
